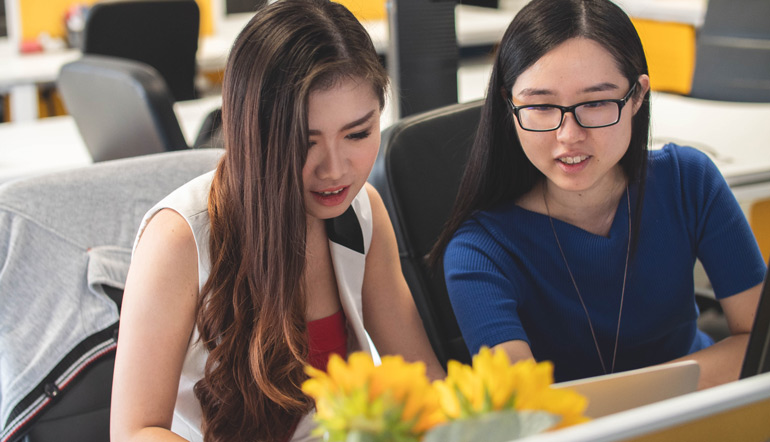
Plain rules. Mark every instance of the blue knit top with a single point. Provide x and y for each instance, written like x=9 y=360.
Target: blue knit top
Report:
x=507 y=280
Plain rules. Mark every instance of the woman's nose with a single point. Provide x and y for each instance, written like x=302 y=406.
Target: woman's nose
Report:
x=332 y=165
x=570 y=131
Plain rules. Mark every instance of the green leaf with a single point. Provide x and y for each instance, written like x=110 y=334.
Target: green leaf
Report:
x=499 y=426
x=361 y=436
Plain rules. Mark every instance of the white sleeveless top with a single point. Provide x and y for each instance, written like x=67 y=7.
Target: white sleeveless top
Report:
x=349 y=238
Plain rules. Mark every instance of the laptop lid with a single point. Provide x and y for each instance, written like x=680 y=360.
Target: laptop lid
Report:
x=622 y=391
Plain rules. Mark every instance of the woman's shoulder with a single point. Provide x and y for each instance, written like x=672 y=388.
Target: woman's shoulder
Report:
x=189 y=202
x=503 y=225
x=679 y=156
x=190 y=198
x=686 y=163
x=168 y=244
x=503 y=214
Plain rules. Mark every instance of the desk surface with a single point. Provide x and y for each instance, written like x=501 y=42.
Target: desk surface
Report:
x=735 y=135
x=51 y=144
x=21 y=73
x=474 y=26
x=691 y=12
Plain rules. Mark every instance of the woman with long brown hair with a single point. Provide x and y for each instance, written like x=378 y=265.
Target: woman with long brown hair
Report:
x=278 y=258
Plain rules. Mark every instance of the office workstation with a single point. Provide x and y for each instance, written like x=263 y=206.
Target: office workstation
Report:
x=22 y=73
x=732 y=132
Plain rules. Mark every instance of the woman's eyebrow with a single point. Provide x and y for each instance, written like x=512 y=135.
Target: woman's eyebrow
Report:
x=350 y=125
x=359 y=121
x=534 y=92
x=607 y=86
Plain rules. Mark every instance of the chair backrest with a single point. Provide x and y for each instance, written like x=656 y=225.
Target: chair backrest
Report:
x=733 y=52
x=122 y=107
x=418 y=172
x=65 y=247
x=210 y=132
x=161 y=33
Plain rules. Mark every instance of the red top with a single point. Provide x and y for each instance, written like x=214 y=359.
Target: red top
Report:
x=326 y=336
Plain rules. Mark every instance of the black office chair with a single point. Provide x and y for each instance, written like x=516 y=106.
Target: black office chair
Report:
x=210 y=132
x=161 y=33
x=418 y=172
x=62 y=270
x=733 y=52
x=122 y=107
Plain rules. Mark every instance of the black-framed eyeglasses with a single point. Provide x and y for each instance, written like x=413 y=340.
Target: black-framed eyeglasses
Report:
x=589 y=114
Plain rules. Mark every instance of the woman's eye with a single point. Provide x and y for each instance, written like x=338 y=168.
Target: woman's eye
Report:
x=359 y=135
x=310 y=144
x=596 y=104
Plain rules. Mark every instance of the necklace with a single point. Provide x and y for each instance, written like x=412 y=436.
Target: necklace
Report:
x=622 y=293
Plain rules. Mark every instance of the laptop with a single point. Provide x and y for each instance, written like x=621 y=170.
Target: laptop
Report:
x=616 y=392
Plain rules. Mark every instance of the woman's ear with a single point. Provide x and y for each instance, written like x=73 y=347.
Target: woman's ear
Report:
x=644 y=87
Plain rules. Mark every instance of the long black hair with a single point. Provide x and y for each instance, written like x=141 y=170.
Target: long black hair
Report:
x=497 y=169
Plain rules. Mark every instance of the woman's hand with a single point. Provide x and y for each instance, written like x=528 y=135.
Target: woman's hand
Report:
x=722 y=362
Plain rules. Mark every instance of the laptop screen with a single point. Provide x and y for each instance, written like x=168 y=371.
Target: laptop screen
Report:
x=757 y=358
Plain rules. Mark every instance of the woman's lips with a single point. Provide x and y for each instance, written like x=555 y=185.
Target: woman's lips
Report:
x=573 y=163
x=331 y=197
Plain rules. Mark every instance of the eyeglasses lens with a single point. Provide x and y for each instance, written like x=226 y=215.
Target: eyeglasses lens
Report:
x=600 y=113
x=596 y=114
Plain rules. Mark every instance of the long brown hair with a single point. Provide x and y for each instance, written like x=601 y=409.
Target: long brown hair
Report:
x=251 y=312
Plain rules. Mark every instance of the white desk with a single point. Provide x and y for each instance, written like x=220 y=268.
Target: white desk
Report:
x=735 y=135
x=21 y=73
x=213 y=50
x=50 y=144
x=475 y=26
x=691 y=12
x=54 y=143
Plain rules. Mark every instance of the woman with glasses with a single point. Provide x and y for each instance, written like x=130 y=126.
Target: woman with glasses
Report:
x=277 y=259
x=569 y=240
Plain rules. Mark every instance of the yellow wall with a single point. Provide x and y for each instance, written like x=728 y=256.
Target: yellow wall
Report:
x=670 y=51
x=366 y=9
x=759 y=218
x=38 y=16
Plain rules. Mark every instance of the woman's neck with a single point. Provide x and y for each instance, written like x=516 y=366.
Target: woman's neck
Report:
x=592 y=210
x=320 y=284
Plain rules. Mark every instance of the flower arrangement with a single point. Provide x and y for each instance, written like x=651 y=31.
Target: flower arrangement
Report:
x=490 y=400
x=358 y=401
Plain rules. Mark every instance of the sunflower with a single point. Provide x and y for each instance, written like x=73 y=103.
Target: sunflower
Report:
x=492 y=384
x=390 y=402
